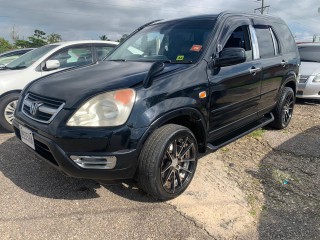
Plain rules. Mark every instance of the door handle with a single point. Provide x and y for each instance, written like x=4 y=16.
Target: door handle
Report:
x=284 y=63
x=254 y=70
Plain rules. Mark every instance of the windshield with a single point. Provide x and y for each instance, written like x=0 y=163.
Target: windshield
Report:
x=309 y=53
x=176 y=42
x=29 y=58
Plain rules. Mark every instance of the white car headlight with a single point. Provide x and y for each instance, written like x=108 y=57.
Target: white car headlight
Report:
x=105 y=110
x=316 y=78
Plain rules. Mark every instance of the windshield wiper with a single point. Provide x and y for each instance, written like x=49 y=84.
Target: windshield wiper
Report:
x=306 y=60
x=16 y=67
x=119 y=60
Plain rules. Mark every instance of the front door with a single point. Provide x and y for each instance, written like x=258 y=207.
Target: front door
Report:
x=235 y=90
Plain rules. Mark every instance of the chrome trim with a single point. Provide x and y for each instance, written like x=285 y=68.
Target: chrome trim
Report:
x=255 y=45
x=95 y=162
x=44 y=109
x=274 y=40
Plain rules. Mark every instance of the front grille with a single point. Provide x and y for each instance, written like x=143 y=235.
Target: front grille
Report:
x=303 y=78
x=41 y=109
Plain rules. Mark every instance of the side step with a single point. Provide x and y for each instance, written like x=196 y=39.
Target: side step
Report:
x=225 y=140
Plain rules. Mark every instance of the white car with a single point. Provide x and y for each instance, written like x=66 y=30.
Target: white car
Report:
x=309 y=83
x=41 y=62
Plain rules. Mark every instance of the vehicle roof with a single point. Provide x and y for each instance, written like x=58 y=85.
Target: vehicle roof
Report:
x=308 y=44
x=222 y=14
x=67 y=43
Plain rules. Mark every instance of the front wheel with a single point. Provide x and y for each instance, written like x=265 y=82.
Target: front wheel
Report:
x=284 y=109
x=168 y=161
x=8 y=105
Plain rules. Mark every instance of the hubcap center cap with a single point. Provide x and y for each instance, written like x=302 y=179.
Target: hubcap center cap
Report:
x=175 y=162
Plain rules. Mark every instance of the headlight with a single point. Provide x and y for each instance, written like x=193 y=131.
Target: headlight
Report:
x=316 y=79
x=105 y=110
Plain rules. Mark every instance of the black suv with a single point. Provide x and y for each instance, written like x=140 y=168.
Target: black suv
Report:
x=171 y=90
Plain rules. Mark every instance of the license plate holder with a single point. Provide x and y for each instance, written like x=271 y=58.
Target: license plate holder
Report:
x=27 y=136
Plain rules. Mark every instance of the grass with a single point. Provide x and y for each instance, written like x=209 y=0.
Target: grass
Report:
x=257 y=134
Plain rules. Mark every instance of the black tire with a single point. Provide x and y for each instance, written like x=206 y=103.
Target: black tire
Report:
x=157 y=156
x=284 y=109
x=4 y=102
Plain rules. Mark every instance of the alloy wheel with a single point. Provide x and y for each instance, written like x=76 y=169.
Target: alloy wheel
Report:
x=178 y=164
x=287 y=109
x=9 y=111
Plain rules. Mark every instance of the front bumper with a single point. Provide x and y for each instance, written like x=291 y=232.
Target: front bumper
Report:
x=57 y=152
x=309 y=89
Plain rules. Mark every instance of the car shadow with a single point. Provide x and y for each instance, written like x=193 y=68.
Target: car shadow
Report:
x=34 y=176
x=302 y=101
x=290 y=175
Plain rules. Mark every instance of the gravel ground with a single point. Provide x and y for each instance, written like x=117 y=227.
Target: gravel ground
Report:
x=263 y=186
x=279 y=171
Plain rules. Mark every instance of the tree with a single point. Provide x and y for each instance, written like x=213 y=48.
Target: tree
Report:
x=5 y=45
x=53 y=38
x=37 y=40
x=124 y=36
x=104 y=38
x=39 y=34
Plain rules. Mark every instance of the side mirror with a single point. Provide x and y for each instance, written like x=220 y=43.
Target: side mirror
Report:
x=231 y=56
x=52 y=64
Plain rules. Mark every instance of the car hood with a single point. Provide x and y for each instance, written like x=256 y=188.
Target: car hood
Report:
x=75 y=85
x=309 y=68
x=8 y=72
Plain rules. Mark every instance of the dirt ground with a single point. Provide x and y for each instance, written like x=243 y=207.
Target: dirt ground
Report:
x=263 y=186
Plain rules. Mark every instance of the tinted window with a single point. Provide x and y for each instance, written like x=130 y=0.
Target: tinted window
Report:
x=240 y=39
x=174 y=41
x=103 y=51
x=73 y=56
x=265 y=42
x=309 y=53
x=286 y=38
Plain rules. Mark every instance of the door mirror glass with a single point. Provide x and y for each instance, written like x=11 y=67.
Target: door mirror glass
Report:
x=231 y=56
x=52 y=64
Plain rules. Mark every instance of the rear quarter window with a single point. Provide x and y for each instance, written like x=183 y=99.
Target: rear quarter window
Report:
x=288 y=43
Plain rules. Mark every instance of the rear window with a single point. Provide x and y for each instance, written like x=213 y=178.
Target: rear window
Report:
x=309 y=53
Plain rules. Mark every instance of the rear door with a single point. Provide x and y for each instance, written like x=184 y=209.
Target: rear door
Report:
x=235 y=90
x=274 y=65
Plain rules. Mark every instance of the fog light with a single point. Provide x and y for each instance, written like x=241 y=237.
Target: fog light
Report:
x=95 y=162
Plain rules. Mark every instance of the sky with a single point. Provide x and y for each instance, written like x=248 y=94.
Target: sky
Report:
x=89 y=19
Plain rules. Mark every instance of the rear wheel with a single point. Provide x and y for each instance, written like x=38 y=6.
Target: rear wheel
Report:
x=284 y=109
x=168 y=161
x=8 y=105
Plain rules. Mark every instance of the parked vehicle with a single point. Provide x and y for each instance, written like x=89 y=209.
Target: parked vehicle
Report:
x=41 y=62
x=166 y=93
x=9 y=56
x=309 y=83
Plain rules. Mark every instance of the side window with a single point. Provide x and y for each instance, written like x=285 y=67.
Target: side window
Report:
x=240 y=38
x=102 y=52
x=74 y=56
x=266 y=47
x=288 y=42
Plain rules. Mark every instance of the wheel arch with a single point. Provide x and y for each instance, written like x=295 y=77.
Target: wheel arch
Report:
x=187 y=117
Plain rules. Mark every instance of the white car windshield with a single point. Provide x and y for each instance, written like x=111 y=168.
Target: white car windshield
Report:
x=29 y=58
x=172 y=41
